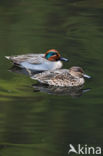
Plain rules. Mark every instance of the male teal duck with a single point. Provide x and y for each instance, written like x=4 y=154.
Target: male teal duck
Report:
x=51 y=60
x=62 y=77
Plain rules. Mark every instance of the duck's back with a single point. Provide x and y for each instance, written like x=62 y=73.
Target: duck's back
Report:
x=30 y=58
x=35 y=62
x=60 y=77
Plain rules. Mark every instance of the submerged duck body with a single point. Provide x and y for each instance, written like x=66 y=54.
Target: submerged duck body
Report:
x=51 y=60
x=62 y=77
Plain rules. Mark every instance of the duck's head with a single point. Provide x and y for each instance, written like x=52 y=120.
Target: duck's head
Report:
x=53 y=55
x=78 y=72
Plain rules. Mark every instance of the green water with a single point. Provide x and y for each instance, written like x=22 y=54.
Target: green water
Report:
x=37 y=123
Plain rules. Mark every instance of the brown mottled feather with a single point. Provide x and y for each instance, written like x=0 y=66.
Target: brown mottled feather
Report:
x=57 y=78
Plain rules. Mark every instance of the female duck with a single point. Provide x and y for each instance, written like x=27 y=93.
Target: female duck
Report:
x=62 y=77
x=51 y=60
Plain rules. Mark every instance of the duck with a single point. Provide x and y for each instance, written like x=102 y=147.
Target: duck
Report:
x=62 y=77
x=51 y=60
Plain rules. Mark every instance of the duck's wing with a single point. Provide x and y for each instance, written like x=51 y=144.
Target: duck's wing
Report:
x=30 y=58
x=46 y=75
x=57 y=77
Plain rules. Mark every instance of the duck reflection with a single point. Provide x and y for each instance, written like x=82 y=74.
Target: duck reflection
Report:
x=24 y=71
x=61 y=91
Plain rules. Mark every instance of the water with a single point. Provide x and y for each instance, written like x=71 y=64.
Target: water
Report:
x=38 y=123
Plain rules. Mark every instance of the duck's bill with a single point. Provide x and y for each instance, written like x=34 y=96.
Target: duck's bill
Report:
x=86 y=90
x=87 y=76
x=63 y=59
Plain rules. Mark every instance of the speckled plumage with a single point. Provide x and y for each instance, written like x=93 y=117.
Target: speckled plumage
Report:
x=61 y=77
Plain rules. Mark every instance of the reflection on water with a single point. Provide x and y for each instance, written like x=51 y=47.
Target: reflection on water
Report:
x=19 y=70
x=37 y=123
x=73 y=91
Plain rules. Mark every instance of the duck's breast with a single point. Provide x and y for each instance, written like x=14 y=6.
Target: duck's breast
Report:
x=53 y=65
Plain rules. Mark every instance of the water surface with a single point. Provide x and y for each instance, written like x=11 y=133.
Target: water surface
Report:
x=38 y=123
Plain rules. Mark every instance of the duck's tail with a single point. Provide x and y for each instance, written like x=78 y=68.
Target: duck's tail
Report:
x=13 y=61
x=8 y=57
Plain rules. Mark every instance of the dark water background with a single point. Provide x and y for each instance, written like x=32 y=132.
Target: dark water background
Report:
x=37 y=123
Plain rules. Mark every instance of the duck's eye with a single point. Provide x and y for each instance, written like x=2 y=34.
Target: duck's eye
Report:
x=50 y=54
x=81 y=70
